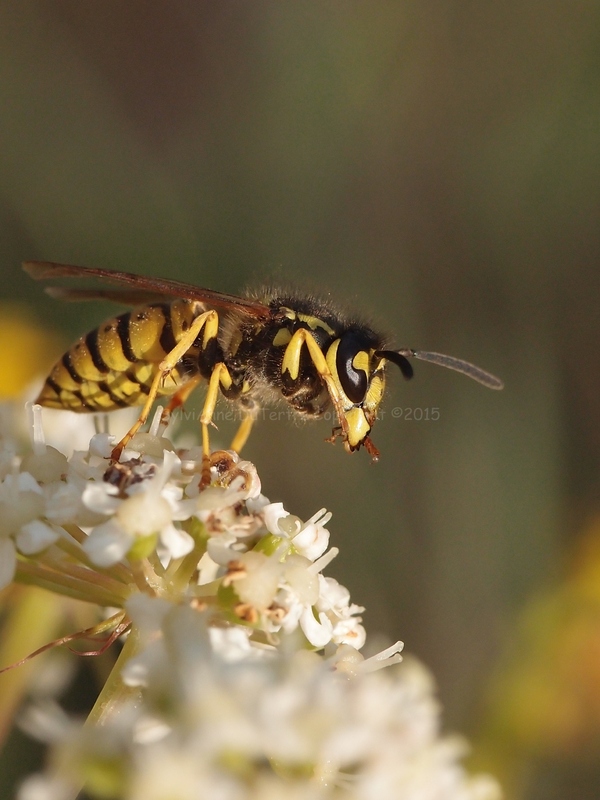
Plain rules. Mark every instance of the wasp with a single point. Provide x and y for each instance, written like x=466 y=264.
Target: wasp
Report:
x=252 y=350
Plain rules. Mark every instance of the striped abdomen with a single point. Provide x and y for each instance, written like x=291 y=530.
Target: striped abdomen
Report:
x=113 y=366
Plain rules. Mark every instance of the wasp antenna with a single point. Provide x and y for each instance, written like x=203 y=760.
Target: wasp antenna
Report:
x=399 y=358
x=458 y=365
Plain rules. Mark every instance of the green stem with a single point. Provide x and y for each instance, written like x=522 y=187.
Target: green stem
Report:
x=90 y=576
x=34 y=575
x=114 y=694
x=140 y=574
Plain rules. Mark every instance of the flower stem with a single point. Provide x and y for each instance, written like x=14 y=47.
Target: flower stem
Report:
x=115 y=693
x=35 y=575
x=114 y=696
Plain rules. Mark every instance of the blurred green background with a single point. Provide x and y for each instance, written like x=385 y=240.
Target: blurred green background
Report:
x=435 y=165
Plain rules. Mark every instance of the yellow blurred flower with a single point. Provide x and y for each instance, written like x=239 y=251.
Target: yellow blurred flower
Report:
x=26 y=349
x=544 y=710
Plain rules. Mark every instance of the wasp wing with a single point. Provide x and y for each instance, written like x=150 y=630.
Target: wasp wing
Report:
x=128 y=297
x=140 y=287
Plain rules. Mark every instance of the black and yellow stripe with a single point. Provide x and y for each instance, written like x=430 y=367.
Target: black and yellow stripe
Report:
x=113 y=366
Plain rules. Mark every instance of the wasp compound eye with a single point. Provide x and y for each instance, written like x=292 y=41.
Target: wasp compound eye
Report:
x=352 y=377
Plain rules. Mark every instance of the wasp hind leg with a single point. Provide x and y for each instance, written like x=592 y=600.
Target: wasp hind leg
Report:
x=219 y=379
x=179 y=399
x=242 y=433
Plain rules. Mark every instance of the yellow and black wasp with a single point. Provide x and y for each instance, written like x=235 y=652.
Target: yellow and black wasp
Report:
x=251 y=350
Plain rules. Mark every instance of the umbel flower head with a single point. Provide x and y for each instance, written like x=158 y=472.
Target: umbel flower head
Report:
x=240 y=675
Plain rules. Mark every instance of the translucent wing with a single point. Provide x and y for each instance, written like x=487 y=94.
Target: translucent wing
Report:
x=129 y=297
x=137 y=288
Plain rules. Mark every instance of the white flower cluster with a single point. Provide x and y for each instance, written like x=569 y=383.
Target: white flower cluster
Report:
x=293 y=725
x=145 y=524
x=241 y=676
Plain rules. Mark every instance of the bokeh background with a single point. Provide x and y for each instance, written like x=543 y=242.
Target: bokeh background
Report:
x=435 y=165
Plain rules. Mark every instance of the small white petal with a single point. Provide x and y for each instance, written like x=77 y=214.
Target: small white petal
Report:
x=45 y=720
x=312 y=541
x=220 y=552
x=173 y=495
x=143 y=514
x=332 y=595
x=251 y=481
x=147 y=613
x=231 y=643
x=171 y=463
x=214 y=498
x=144 y=443
x=64 y=505
x=259 y=586
x=23 y=482
x=207 y=569
x=177 y=542
x=102 y=444
x=349 y=631
x=35 y=536
x=18 y=509
x=294 y=611
x=45 y=466
x=320 y=564
x=135 y=672
x=304 y=584
x=272 y=513
x=152 y=661
x=107 y=544
x=149 y=730
x=66 y=430
x=255 y=505
x=318 y=632
x=45 y=787
x=100 y=497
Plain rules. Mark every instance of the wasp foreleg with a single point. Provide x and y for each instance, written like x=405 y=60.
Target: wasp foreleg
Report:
x=291 y=366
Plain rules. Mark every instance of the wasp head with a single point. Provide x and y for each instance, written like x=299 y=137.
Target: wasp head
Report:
x=358 y=370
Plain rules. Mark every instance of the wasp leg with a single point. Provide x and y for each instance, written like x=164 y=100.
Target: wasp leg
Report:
x=210 y=322
x=220 y=377
x=291 y=364
x=242 y=433
x=337 y=431
x=179 y=398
